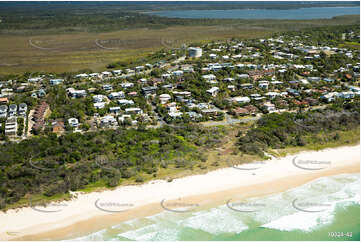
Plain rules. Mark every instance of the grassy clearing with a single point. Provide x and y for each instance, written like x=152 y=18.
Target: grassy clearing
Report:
x=71 y=52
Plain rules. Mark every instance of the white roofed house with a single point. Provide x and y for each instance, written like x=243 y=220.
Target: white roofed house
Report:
x=195 y=52
x=213 y=91
x=76 y=93
x=54 y=82
x=241 y=99
x=139 y=68
x=106 y=74
x=143 y=80
x=346 y=95
x=83 y=75
x=263 y=84
x=231 y=87
x=98 y=98
x=94 y=75
x=272 y=95
x=127 y=85
x=125 y=102
x=11 y=126
x=23 y=108
x=209 y=77
x=99 y=105
x=164 y=98
x=13 y=108
x=107 y=87
x=108 y=121
x=330 y=97
x=269 y=107
x=133 y=111
x=242 y=76
x=73 y=122
x=3 y=111
x=177 y=73
x=114 y=110
x=166 y=76
x=116 y=95
x=212 y=56
x=35 y=79
x=99 y=101
x=117 y=72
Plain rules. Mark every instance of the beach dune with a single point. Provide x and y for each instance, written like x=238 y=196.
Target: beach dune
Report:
x=83 y=214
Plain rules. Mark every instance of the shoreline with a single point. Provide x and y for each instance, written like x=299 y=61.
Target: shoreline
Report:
x=81 y=215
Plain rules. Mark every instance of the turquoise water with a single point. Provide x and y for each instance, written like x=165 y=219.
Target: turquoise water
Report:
x=300 y=13
x=330 y=204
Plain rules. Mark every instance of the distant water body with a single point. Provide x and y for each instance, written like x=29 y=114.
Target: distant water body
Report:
x=300 y=13
x=332 y=206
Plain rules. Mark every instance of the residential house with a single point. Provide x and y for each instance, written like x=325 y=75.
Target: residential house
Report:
x=4 y=100
x=263 y=84
x=11 y=126
x=114 y=110
x=54 y=82
x=133 y=111
x=13 y=108
x=106 y=74
x=272 y=95
x=246 y=86
x=251 y=109
x=76 y=93
x=58 y=127
x=98 y=98
x=3 y=111
x=269 y=107
x=241 y=99
x=127 y=85
x=164 y=98
x=125 y=102
x=116 y=95
x=23 y=108
x=149 y=90
x=108 y=121
x=240 y=111
x=35 y=79
x=73 y=122
x=209 y=77
x=213 y=91
x=107 y=87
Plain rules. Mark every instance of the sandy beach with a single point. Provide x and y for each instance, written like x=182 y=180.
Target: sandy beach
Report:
x=97 y=210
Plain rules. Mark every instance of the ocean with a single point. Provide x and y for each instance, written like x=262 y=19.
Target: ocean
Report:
x=325 y=209
x=300 y=13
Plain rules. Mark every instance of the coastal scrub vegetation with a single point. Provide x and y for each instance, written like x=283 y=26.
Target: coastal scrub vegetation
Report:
x=277 y=131
x=54 y=165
